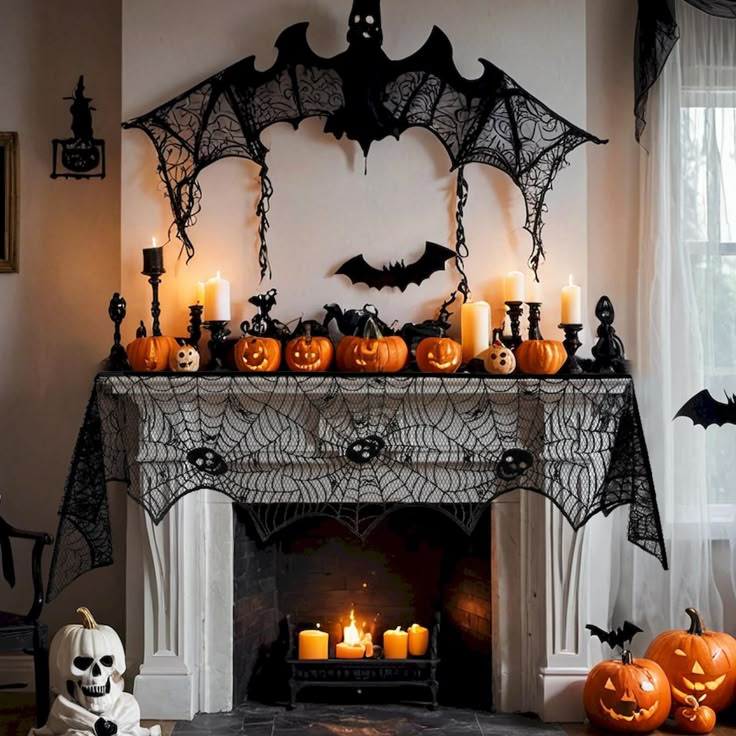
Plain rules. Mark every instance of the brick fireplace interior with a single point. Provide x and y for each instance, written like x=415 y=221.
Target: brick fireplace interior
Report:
x=416 y=562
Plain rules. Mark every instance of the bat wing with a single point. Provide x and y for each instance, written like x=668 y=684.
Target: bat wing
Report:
x=432 y=260
x=224 y=116
x=704 y=410
x=359 y=271
x=627 y=632
x=489 y=120
x=602 y=634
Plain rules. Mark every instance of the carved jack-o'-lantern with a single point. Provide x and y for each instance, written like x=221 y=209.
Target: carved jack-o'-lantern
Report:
x=151 y=353
x=499 y=359
x=439 y=355
x=698 y=662
x=257 y=354
x=185 y=359
x=630 y=695
x=372 y=353
x=309 y=353
x=86 y=663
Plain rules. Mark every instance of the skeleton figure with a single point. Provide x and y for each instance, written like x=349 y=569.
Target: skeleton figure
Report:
x=87 y=663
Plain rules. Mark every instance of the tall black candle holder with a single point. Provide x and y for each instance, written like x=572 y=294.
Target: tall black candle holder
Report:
x=153 y=267
x=195 y=324
x=217 y=343
x=118 y=358
x=572 y=345
x=515 y=310
x=535 y=314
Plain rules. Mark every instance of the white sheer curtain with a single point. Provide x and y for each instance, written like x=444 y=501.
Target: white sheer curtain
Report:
x=687 y=329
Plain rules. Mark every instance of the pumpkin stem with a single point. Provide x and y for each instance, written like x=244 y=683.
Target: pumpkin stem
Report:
x=626 y=656
x=88 y=620
x=697 y=626
x=370 y=324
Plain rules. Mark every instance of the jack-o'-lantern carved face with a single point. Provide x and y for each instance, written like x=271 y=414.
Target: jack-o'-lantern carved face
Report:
x=699 y=663
x=309 y=353
x=627 y=695
x=185 y=359
x=439 y=355
x=257 y=354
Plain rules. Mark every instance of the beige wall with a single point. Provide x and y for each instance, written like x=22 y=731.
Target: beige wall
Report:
x=55 y=327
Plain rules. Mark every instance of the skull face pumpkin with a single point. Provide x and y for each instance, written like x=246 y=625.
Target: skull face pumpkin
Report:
x=630 y=695
x=87 y=663
x=185 y=359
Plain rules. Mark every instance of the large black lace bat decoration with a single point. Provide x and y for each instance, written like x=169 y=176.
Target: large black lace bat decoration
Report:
x=365 y=96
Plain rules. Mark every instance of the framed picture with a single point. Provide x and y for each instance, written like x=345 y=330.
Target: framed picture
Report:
x=9 y=202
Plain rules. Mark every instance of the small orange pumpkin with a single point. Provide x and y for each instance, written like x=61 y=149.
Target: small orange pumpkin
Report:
x=698 y=663
x=695 y=718
x=151 y=354
x=628 y=695
x=257 y=354
x=376 y=354
x=439 y=355
x=544 y=357
x=309 y=353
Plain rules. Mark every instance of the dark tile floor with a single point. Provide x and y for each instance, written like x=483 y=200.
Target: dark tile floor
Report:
x=362 y=720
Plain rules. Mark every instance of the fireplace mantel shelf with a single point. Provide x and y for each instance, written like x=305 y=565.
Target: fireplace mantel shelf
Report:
x=352 y=447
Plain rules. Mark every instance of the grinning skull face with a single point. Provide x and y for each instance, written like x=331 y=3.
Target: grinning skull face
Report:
x=87 y=664
x=185 y=359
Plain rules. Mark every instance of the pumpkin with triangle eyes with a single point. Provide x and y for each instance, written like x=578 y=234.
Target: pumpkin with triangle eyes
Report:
x=697 y=662
x=257 y=354
x=627 y=694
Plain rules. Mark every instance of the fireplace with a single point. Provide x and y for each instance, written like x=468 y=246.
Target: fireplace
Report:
x=415 y=564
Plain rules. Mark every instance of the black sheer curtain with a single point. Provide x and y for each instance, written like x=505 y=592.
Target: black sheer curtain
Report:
x=656 y=36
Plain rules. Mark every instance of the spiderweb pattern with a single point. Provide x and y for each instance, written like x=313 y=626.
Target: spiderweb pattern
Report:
x=289 y=446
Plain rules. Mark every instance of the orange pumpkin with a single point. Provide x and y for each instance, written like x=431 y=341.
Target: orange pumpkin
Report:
x=439 y=355
x=698 y=662
x=629 y=695
x=310 y=354
x=544 y=357
x=695 y=718
x=257 y=354
x=151 y=354
x=377 y=354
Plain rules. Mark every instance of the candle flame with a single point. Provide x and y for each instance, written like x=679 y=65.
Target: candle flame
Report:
x=350 y=634
x=570 y=281
x=153 y=242
x=318 y=625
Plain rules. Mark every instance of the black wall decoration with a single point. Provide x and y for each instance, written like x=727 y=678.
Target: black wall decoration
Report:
x=704 y=410
x=82 y=156
x=365 y=96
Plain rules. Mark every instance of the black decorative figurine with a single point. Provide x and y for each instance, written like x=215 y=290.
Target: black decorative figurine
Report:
x=83 y=155
x=217 y=344
x=609 y=351
x=572 y=345
x=118 y=358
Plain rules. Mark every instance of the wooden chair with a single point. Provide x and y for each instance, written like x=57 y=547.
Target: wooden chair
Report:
x=24 y=632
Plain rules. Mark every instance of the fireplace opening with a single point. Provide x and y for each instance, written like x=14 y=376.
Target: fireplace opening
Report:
x=415 y=564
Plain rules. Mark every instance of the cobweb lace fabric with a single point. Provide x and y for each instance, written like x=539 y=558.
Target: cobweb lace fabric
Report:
x=288 y=446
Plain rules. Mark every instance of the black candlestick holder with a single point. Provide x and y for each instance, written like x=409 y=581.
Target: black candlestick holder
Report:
x=118 y=358
x=217 y=343
x=515 y=310
x=195 y=324
x=535 y=314
x=572 y=344
x=154 y=269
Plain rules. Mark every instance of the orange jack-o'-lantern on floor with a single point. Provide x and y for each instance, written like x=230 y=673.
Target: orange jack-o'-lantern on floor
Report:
x=698 y=662
x=629 y=695
x=257 y=354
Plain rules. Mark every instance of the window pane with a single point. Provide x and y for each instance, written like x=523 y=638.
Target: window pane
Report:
x=694 y=175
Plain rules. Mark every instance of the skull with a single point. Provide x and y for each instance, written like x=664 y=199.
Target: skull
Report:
x=365 y=449
x=185 y=359
x=207 y=460
x=365 y=23
x=514 y=463
x=87 y=663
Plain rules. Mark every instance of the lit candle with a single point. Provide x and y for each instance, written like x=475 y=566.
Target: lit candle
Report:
x=217 y=299
x=351 y=647
x=368 y=641
x=153 y=259
x=513 y=287
x=395 y=644
x=571 y=304
x=475 y=321
x=313 y=644
x=534 y=294
x=418 y=640
x=200 y=293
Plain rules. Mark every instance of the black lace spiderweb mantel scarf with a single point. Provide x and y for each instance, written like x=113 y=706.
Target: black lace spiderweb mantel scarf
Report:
x=656 y=36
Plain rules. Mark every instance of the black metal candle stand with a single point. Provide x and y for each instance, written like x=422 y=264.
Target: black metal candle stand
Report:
x=217 y=343
x=515 y=310
x=154 y=278
x=535 y=315
x=572 y=344
x=195 y=324
x=118 y=358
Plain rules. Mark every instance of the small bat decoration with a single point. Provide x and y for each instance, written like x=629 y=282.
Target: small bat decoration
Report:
x=616 y=637
x=398 y=275
x=703 y=409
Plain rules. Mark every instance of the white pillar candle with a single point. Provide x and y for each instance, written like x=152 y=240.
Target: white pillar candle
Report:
x=571 y=304
x=217 y=299
x=200 y=293
x=513 y=287
x=534 y=294
x=475 y=322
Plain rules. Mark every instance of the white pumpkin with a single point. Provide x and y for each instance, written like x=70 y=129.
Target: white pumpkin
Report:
x=86 y=663
x=499 y=359
x=185 y=359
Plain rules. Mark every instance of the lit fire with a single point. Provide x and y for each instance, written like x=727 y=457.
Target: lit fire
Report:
x=355 y=642
x=351 y=634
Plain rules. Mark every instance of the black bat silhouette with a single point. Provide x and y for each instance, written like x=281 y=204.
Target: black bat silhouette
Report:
x=399 y=274
x=703 y=409
x=616 y=637
x=366 y=96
